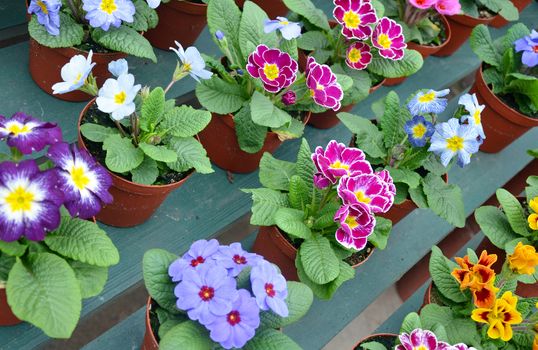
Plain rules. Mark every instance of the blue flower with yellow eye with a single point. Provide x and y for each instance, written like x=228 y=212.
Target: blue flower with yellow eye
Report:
x=430 y=101
x=418 y=131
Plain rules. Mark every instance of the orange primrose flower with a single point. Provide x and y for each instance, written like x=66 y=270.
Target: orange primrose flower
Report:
x=479 y=278
x=500 y=317
x=524 y=259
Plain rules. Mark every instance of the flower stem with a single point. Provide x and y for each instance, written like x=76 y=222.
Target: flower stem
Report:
x=118 y=125
x=169 y=86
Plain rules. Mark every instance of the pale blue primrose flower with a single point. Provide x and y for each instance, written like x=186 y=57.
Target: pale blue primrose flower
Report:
x=47 y=13
x=153 y=3
x=104 y=13
x=454 y=139
x=116 y=97
x=192 y=64
x=289 y=30
x=428 y=102
x=74 y=74
x=474 y=118
x=118 y=67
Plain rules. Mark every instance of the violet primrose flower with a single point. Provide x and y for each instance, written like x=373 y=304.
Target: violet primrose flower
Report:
x=28 y=134
x=200 y=252
x=29 y=201
x=389 y=39
x=323 y=85
x=368 y=189
x=355 y=16
x=356 y=224
x=289 y=98
x=289 y=30
x=275 y=68
x=74 y=73
x=83 y=181
x=418 y=131
x=269 y=288
x=529 y=45
x=105 y=13
x=358 y=55
x=47 y=13
x=421 y=339
x=452 y=139
x=235 y=259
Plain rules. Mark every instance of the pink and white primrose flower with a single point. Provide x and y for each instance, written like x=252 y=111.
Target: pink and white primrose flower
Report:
x=389 y=39
x=323 y=85
x=336 y=161
x=28 y=134
x=355 y=16
x=275 y=68
x=356 y=224
x=421 y=339
x=448 y=7
x=368 y=189
x=358 y=55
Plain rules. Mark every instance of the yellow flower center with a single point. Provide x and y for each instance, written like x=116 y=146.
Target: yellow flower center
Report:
x=20 y=199
x=187 y=67
x=120 y=97
x=351 y=222
x=454 y=143
x=78 y=78
x=351 y=19
x=17 y=129
x=271 y=71
x=79 y=177
x=284 y=23
x=339 y=165
x=43 y=7
x=361 y=197
x=320 y=87
x=419 y=130
x=476 y=116
x=420 y=347
x=384 y=41
x=429 y=97
x=108 y=6
x=354 y=55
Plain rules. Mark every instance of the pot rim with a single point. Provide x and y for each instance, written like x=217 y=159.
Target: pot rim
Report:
x=467 y=20
x=448 y=32
x=375 y=335
x=228 y=119
x=149 y=304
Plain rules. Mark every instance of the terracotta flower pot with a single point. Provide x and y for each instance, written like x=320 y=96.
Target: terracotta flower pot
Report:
x=427 y=300
x=426 y=50
x=220 y=141
x=274 y=247
x=273 y=8
x=133 y=203
x=375 y=337
x=46 y=64
x=181 y=21
x=498 y=21
x=7 y=318
x=394 y=81
x=150 y=342
x=502 y=124
x=461 y=27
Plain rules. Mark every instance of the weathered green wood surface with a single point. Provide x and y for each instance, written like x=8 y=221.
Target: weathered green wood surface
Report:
x=12 y=13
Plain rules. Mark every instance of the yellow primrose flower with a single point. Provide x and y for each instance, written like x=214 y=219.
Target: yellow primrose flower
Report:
x=524 y=259
x=500 y=317
x=533 y=221
x=534 y=204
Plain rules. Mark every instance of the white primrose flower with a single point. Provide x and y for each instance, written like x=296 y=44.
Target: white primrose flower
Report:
x=192 y=61
x=474 y=118
x=153 y=3
x=116 y=97
x=118 y=67
x=74 y=73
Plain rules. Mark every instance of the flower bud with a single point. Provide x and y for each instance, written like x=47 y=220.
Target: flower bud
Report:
x=144 y=92
x=219 y=35
x=289 y=98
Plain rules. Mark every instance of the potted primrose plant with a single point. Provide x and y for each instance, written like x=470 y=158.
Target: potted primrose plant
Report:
x=219 y=296
x=506 y=83
x=367 y=53
x=479 y=307
x=147 y=143
x=318 y=215
x=417 y=150
x=257 y=96
x=60 y=30
x=52 y=253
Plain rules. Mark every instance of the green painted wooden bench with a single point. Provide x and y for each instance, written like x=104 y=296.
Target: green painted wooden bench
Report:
x=211 y=206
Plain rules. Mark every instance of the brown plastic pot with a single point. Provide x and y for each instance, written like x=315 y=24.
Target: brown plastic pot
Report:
x=499 y=21
x=461 y=27
x=220 y=142
x=426 y=50
x=46 y=64
x=273 y=246
x=394 y=81
x=273 y=8
x=502 y=124
x=7 y=318
x=149 y=342
x=133 y=203
x=181 y=21
x=372 y=337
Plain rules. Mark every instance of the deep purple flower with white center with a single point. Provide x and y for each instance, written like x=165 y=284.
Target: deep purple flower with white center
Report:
x=206 y=293
x=83 y=181
x=389 y=39
x=355 y=16
x=358 y=55
x=368 y=189
x=28 y=134
x=269 y=288
x=323 y=85
x=289 y=30
x=529 y=45
x=236 y=328
x=235 y=259
x=454 y=139
x=336 y=161
x=289 y=98
x=356 y=224
x=275 y=68
x=418 y=131
x=29 y=201
x=200 y=253
x=421 y=339
x=105 y=13
x=47 y=13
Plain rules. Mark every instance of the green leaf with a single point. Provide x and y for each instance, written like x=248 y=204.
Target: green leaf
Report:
x=158 y=153
x=495 y=225
x=13 y=248
x=325 y=291
x=418 y=197
x=266 y=203
x=6 y=264
x=299 y=300
x=158 y=283
x=251 y=30
x=275 y=173
x=433 y=314
x=83 y=241
x=312 y=41
x=361 y=83
x=445 y=200
x=224 y=15
x=380 y=236
x=372 y=345
x=483 y=47
x=325 y=216
x=414 y=158
x=408 y=65
x=187 y=335
x=462 y=331
x=525 y=87
x=410 y=323
x=290 y=46
x=270 y=339
x=152 y=109
x=144 y=18
x=190 y=154
x=124 y=39
x=402 y=175
x=514 y=212
x=369 y=138
x=121 y=156
x=184 y=121
x=318 y=259
x=219 y=96
x=96 y=132
x=299 y=193
x=434 y=166
x=146 y=173
x=304 y=165
x=402 y=193
x=440 y=269
x=250 y=136
x=45 y=292
x=92 y=279
x=517 y=31
x=308 y=10
x=292 y=130
x=393 y=121
x=265 y=113
x=291 y=221
x=71 y=33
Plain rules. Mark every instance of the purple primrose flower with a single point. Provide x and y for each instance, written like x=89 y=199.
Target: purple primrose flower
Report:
x=418 y=130
x=289 y=30
x=289 y=98
x=235 y=259
x=275 y=68
x=47 y=13
x=28 y=134
x=421 y=339
x=269 y=288
x=368 y=189
x=323 y=85
x=200 y=253
x=356 y=224
x=105 y=13
x=355 y=16
x=529 y=45
x=358 y=55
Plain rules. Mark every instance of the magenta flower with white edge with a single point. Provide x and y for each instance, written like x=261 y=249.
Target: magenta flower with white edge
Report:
x=289 y=98
x=355 y=16
x=384 y=175
x=275 y=68
x=356 y=224
x=368 y=189
x=421 y=339
x=28 y=134
x=389 y=39
x=358 y=55
x=201 y=252
x=323 y=85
